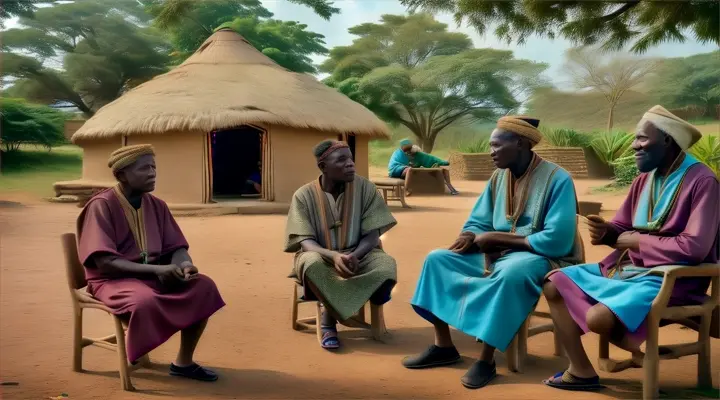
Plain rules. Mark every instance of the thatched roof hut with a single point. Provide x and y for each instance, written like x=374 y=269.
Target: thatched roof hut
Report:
x=224 y=111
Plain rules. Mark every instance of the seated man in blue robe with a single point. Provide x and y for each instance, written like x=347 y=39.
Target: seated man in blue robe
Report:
x=523 y=225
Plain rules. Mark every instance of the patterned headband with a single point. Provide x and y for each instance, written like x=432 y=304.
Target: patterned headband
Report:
x=335 y=146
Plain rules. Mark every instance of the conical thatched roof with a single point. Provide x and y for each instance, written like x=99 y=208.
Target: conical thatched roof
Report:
x=227 y=83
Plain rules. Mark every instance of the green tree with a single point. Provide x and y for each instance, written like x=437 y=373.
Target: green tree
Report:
x=690 y=81
x=19 y=8
x=189 y=23
x=641 y=23
x=85 y=53
x=25 y=123
x=411 y=71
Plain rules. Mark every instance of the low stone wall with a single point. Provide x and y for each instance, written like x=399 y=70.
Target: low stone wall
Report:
x=572 y=159
x=471 y=167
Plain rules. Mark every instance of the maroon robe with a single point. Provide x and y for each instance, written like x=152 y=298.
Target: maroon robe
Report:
x=155 y=313
x=690 y=235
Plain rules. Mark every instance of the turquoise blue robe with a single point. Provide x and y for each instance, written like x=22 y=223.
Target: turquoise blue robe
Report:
x=399 y=161
x=454 y=287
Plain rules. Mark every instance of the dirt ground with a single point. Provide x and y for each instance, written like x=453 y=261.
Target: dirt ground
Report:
x=250 y=342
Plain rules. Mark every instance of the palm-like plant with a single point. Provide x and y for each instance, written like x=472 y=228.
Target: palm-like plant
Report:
x=707 y=151
x=612 y=146
x=562 y=137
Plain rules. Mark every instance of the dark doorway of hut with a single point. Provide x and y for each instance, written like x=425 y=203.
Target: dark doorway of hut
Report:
x=236 y=160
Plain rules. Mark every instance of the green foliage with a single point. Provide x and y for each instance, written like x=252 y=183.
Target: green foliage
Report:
x=92 y=51
x=323 y=8
x=18 y=8
x=614 y=24
x=563 y=137
x=188 y=23
x=23 y=123
x=690 y=81
x=612 y=146
x=481 y=145
x=707 y=151
x=35 y=170
x=410 y=71
x=625 y=170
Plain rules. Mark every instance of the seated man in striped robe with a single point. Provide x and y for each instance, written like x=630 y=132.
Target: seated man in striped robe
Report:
x=137 y=263
x=334 y=227
x=671 y=216
x=489 y=281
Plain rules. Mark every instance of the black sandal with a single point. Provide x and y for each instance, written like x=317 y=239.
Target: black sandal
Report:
x=480 y=374
x=193 y=371
x=434 y=356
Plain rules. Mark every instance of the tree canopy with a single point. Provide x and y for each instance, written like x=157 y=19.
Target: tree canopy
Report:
x=411 y=71
x=25 y=123
x=85 y=53
x=690 y=81
x=612 y=78
x=188 y=23
x=614 y=24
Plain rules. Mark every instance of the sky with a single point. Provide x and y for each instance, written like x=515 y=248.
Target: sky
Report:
x=355 y=12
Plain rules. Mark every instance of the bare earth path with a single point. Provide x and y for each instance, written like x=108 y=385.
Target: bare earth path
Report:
x=250 y=341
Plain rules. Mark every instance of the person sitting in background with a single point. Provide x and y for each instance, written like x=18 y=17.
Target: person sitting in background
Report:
x=671 y=216
x=137 y=264
x=409 y=156
x=333 y=227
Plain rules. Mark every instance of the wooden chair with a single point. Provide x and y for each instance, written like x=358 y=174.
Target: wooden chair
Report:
x=684 y=315
x=81 y=300
x=376 y=326
x=517 y=352
x=392 y=189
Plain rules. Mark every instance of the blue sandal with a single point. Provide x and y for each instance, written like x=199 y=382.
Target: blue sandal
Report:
x=329 y=340
x=567 y=381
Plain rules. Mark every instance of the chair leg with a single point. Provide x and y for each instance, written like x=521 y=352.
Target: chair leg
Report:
x=77 y=339
x=318 y=321
x=294 y=316
x=125 y=382
x=522 y=337
x=704 y=373
x=651 y=362
x=511 y=354
x=558 y=344
x=377 y=322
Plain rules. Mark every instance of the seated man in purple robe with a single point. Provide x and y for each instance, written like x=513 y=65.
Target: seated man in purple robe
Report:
x=137 y=263
x=670 y=217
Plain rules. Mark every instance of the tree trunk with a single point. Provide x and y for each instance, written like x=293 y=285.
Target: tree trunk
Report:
x=427 y=144
x=611 y=115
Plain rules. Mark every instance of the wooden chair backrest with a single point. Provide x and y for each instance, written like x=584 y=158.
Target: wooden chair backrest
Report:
x=73 y=266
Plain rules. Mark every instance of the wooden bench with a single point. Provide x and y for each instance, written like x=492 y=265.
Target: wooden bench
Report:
x=392 y=190
x=425 y=181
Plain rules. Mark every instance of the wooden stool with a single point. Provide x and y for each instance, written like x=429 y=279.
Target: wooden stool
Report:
x=81 y=300
x=392 y=190
x=517 y=352
x=376 y=326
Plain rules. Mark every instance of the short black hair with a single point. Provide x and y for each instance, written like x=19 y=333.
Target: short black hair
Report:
x=532 y=121
x=322 y=147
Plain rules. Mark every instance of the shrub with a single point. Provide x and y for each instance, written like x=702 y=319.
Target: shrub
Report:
x=707 y=151
x=25 y=123
x=625 y=170
x=562 y=137
x=612 y=146
x=481 y=145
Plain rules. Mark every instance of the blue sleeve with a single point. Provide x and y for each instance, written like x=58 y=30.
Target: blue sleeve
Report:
x=480 y=220
x=398 y=162
x=557 y=237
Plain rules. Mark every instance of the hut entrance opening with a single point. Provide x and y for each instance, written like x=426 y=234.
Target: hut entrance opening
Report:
x=236 y=159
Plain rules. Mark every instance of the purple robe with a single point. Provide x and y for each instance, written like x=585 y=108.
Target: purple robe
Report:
x=688 y=236
x=155 y=313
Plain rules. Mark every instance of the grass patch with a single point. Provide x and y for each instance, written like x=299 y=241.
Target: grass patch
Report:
x=34 y=170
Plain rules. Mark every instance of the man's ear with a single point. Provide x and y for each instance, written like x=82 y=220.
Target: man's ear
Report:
x=321 y=166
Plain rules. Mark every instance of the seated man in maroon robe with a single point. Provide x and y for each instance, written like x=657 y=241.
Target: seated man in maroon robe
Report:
x=670 y=217
x=137 y=263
